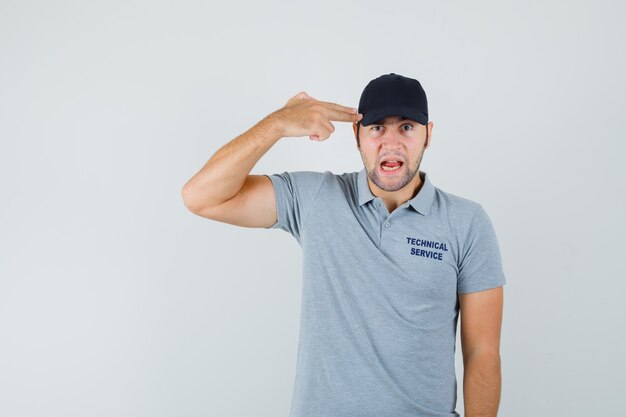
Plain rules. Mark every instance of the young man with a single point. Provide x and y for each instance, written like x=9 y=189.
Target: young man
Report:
x=390 y=260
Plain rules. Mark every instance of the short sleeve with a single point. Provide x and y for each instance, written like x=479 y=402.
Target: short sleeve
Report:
x=480 y=265
x=295 y=194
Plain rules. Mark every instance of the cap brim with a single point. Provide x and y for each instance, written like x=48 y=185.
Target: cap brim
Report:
x=377 y=115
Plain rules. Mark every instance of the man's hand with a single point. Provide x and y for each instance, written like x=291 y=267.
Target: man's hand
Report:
x=305 y=116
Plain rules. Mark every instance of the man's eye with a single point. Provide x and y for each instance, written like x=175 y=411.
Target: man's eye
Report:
x=374 y=128
x=406 y=124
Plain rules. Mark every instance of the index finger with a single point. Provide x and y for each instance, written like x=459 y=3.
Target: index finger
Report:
x=342 y=116
x=338 y=107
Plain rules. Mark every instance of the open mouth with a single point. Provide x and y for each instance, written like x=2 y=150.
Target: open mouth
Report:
x=391 y=165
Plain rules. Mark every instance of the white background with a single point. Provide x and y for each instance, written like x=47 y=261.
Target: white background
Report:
x=117 y=301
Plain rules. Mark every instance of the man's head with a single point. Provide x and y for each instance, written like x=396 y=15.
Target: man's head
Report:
x=394 y=127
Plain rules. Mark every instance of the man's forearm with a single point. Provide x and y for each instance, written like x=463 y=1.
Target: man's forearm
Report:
x=481 y=385
x=225 y=172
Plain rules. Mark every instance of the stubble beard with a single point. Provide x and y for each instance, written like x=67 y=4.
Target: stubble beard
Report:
x=397 y=184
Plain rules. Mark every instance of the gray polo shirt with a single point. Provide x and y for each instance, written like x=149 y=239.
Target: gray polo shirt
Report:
x=379 y=293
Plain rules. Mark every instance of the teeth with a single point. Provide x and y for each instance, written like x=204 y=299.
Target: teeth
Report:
x=391 y=169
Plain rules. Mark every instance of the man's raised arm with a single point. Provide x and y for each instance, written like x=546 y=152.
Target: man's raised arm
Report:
x=224 y=191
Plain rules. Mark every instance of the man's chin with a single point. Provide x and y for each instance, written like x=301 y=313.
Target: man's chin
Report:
x=389 y=183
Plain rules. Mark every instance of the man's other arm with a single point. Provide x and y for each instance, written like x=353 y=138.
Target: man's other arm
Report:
x=481 y=321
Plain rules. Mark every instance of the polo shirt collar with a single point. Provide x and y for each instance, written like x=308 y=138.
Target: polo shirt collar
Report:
x=421 y=202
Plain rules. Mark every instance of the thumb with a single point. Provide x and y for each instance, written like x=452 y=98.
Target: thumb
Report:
x=303 y=95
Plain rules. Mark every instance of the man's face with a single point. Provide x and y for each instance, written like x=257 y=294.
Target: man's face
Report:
x=393 y=139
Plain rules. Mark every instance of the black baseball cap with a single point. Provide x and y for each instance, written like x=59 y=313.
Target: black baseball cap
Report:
x=393 y=95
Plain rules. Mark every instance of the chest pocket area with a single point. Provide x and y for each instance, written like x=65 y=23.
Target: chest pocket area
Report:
x=429 y=266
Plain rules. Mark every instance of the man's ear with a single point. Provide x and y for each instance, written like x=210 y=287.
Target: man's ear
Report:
x=429 y=137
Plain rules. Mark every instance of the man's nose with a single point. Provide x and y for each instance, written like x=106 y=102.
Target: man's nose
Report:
x=391 y=139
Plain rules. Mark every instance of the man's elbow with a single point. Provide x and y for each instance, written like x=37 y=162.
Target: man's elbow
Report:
x=189 y=201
